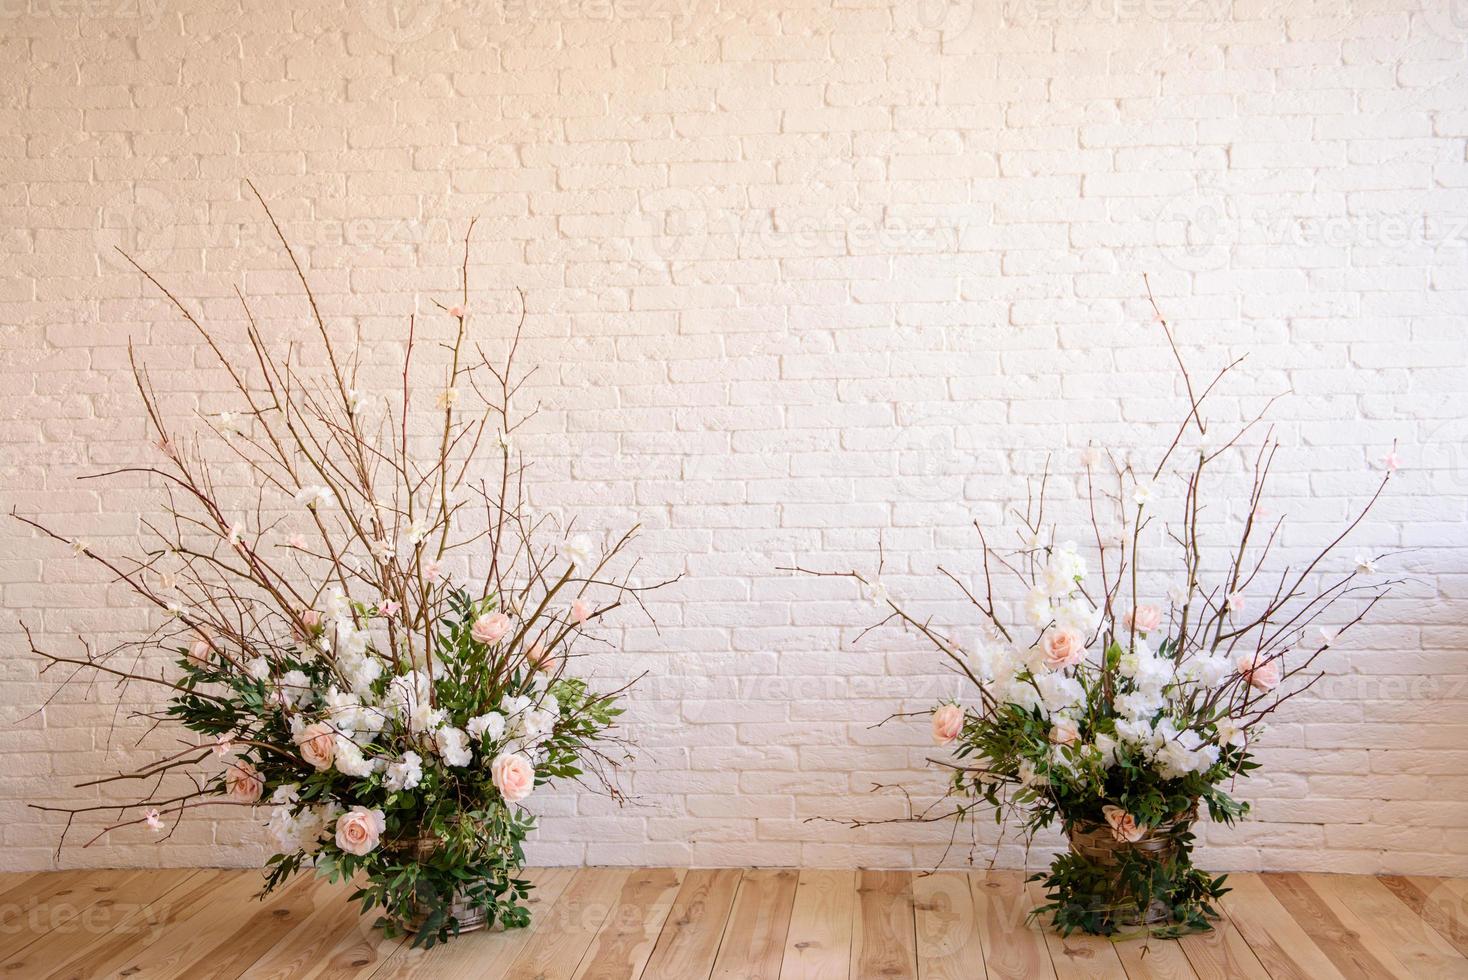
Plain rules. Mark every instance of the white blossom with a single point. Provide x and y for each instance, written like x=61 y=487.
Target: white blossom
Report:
x=404 y=774
x=577 y=551
x=453 y=746
x=315 y=496
x=491 y=724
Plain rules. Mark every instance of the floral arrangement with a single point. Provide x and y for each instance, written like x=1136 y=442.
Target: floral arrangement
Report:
x=1118 y=712
x=324 y=649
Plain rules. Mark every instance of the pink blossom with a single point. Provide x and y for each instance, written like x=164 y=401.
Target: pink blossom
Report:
x=359 y=829
x=1064 y=647
x=389 y=608
x=580 y=612
x=513 y=776
x=153 y=821
x=432 y=570
x=947 y=723
x=1260 y=671
x=1235 y=603
x=243 y=782
x=199 y=652
x=1123 y=825
x=311 y=619
x=297 y=541
x=1145 y=618
x=223 y=746
x=1392 y=461
x=491 y=628
x=458 y=311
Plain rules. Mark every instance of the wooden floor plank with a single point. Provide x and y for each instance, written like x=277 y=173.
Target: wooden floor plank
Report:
x=1154 y=959
x=1436 y=902
x=626 y=940
x=53 y=899
x=689 y=942
x=1387 y=928
x=667 y=924
x=334 y=940
x=556 y=949
x=949 y=944
x=1078 y=956
x=1340 y=944
x=754 y=939
x=485 y=955
x=1222 y=954
x=235 y=939
x=1014 y=946
x=161 y=939
x=1281 y=944
x=83 y=911
x=818 y=945
x=884 y=933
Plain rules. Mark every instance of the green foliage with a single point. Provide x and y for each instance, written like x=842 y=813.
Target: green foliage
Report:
x=1114 y=899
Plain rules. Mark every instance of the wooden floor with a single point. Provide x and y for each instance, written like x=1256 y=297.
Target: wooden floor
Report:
x=674 y=924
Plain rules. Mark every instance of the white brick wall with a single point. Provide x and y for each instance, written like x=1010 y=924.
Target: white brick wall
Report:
x=801 y=275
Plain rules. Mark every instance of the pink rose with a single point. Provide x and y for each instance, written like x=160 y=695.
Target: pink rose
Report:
x=243 y=782
x=1064 y=732
x=310 y=619
x=541 y=659
x=1261 y=673
x=491 y=628
x=318 y=745
x=1123 y=825
x=199 y=652
x=513 y=776
x=1064 y=647
x=947 y=723
x=1145 y=618
x=359 y=829
x=580 y=612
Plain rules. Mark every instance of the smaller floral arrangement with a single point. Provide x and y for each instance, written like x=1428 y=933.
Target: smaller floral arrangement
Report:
x=1120 y=713
x=324 y=650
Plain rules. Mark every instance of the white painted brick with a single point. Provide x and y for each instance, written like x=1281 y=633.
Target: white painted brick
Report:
x=799 y=280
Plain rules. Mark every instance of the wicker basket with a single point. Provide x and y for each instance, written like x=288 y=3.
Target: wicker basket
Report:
x=1096 y=843
x=421 y=849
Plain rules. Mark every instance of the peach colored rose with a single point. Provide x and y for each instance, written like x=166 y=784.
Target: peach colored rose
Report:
x=359 y=829
x=513 y=776
x=199 y=652
x=1123 y=825
x=947 y=723
x=1064 y=647
x=1064 y=732
x=541 y=659
x=580 y=612
x=243 y=782
x=1260 y=672
x=490 y=628
x=1145 y=618
x=317 y=742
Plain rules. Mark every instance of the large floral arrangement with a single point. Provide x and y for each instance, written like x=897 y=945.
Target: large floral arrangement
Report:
x=1122 y=713
x=332 y=659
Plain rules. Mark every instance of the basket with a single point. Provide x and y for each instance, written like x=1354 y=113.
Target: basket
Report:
x=421 y=849
x=1097 y=844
